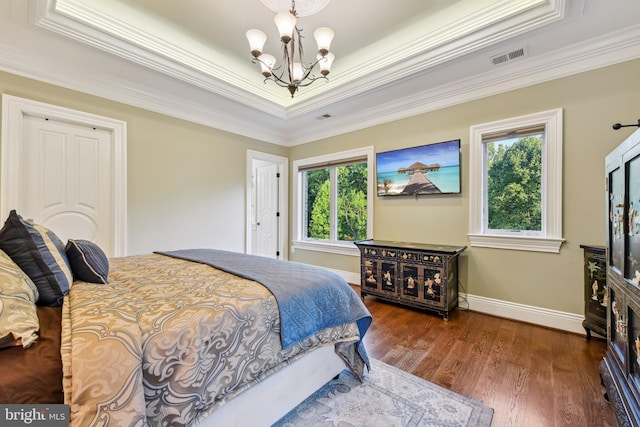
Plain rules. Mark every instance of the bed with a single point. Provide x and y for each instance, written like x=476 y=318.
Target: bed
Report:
x=174 y=339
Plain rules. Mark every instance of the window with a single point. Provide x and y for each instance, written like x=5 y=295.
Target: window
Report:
x=334 y=202
x=515 y=183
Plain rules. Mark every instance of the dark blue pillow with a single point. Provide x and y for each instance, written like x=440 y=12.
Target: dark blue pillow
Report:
x=40 y=254
x=88 y=262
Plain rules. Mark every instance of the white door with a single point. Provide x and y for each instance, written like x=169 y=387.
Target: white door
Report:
x=66 y=169
x=267 y=204
x=67 y=177
x=267 y=215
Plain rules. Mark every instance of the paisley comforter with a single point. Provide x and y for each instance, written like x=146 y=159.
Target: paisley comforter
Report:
x=168 y=341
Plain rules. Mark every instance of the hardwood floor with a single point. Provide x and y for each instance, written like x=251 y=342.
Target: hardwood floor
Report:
x=530 y=375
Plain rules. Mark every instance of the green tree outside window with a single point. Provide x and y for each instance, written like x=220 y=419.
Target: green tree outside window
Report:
x=351 y=209
x=514 y=184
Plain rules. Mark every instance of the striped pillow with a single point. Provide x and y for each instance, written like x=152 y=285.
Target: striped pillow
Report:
x=40 y=254
x=88 y=262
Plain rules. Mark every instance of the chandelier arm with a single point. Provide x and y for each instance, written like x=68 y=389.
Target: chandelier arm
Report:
x=280 y=83
x=284 y=83
x=311 y=80
x=272 y=70
x=300 y=49
x=291 y=58
x=308 y=76
x=286 y=66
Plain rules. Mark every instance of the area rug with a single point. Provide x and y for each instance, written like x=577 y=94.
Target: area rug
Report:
x=387 y=397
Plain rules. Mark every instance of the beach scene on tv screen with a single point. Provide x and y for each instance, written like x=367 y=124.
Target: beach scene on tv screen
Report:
x=427 y=169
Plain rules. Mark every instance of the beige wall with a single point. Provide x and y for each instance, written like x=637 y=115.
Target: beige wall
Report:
x=186 y=182
x=591 y=101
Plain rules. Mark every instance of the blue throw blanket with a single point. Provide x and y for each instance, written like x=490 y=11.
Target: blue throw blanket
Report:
x=309 y=298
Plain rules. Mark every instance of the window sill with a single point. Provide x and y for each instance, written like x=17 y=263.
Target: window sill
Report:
x=521 y=243
x=335 y=248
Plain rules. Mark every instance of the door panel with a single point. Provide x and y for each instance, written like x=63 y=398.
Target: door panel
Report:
x=266 y=210
x=66 y=172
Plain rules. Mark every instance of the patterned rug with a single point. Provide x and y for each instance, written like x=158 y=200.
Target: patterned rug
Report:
x=387 y=397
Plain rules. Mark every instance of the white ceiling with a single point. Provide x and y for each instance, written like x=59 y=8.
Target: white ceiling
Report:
x=394 y=58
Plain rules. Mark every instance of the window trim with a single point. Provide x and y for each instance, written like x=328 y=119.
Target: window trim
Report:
x=331 y=246
x=550 y=239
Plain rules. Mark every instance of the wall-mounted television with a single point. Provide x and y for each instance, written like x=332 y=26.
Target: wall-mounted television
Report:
x=426 y=169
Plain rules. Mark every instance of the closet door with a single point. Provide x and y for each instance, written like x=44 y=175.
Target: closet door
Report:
x=267 y=217
x=66 y=180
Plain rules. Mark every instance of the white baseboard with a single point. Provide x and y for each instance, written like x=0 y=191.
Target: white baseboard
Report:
x=525 y=313
x=561 y=320
x=353 y=278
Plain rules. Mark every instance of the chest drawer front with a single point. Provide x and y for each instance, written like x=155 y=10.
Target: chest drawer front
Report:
x=410 y=256
x=436 y=260
x=380 y=253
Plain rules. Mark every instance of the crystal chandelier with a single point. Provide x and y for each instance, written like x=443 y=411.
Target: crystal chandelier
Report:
x=291 y=71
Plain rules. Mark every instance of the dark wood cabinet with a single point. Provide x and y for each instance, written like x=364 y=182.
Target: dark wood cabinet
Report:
x=620 y=368
x=417 y=275
x=595 y=290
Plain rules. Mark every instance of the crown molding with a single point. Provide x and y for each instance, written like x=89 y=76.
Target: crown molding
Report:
x=617 y=47
x=161 y=93
x=614 y=48
x=183 y=102
x=200 y=65
x=79 y=21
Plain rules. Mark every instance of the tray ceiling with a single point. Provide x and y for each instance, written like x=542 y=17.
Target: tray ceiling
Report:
x=190 y=59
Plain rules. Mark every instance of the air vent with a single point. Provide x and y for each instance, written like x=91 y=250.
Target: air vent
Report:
x=324 y=116
x=509 y=56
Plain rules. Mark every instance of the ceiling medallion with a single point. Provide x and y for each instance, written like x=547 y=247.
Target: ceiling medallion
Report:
x=303 y=7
